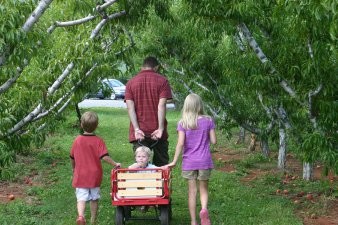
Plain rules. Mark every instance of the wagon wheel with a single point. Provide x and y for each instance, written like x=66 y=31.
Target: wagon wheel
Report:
x=119 y=215
x=127 y=212
x=170 y=211
x=164 y=214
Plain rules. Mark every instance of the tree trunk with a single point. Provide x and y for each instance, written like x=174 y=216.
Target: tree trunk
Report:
x=78 y=113
x=241 y=136
x=282 y=149
x=307 y=171
x=253 y=142
x=265 y=146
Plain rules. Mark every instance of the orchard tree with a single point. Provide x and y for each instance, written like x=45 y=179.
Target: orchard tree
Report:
x=51 y=54
x=266 y=66
x=269 y=65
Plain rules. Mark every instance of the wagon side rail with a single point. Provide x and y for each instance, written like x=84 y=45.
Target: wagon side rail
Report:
x=140 y=186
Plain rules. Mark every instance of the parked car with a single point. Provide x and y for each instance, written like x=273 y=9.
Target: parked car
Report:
x=112 y=88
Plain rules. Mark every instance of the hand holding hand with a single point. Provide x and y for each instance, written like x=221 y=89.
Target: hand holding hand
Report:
x=139 y=134
x=157 y=134
x=170 y=165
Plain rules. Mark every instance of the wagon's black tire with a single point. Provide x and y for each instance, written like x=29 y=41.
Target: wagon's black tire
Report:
x=127 y=212
x=164 y=214
x=119 y=215
x=170 y=213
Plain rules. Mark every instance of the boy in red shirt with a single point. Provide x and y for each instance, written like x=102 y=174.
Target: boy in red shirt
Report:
x=86 y=154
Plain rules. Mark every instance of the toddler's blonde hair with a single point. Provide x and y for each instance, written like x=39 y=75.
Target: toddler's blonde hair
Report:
x=143 y=149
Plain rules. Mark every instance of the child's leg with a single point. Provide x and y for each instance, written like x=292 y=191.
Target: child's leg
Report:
x=204 y=214
x=81 y=205
x=192 y=200
x=203 y=184
x=93 y=210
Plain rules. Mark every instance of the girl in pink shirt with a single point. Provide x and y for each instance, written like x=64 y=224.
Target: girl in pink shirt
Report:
x=195 y=133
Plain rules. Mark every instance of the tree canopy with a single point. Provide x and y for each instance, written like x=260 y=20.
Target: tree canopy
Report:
x=266 y=66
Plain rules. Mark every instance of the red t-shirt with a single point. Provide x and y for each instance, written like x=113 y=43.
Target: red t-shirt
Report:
x=146 y=89
x=87 y=151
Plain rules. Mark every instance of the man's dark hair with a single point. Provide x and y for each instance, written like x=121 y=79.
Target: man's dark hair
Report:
x=151 y=62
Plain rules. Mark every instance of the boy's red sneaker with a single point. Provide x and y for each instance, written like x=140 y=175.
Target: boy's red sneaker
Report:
x=80 y=220
x=204 y=216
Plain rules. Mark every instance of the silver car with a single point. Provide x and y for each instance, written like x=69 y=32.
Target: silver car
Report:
x=115 y=89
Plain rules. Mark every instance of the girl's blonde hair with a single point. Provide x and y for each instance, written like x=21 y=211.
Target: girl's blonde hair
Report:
x=192 y=108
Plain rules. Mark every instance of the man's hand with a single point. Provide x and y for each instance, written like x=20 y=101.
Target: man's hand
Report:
x=139 y=134
x=157 y=134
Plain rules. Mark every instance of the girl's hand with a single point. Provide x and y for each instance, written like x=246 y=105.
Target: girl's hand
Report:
x=170 y=165
x=165 y=167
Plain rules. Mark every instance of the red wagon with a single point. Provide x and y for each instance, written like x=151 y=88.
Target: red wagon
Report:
x=135 y=188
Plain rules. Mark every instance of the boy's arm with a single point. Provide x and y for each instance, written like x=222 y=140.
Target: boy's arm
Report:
x=109 y=160
x=72 y=161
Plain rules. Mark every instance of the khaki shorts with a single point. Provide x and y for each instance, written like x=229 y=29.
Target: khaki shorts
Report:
x=196 y=174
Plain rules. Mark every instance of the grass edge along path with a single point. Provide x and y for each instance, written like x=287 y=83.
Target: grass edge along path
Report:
x=51 y=199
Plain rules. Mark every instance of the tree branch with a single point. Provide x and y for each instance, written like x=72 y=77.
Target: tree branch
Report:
x=4 y=87
x=99 y=26
x=34 y=17
x=25 y=120
x=61 y=78
x=45 y=113
x=262 y=57
x=70 y=23
x=105 y=5
x=37 y=13
x=311 y=94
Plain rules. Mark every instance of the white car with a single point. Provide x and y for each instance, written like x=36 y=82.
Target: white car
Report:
x=116 y=88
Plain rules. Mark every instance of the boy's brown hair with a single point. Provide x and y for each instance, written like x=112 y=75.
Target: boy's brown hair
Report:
x=89 y=121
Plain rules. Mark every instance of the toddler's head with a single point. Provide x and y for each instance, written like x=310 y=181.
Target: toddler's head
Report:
x=142 y=155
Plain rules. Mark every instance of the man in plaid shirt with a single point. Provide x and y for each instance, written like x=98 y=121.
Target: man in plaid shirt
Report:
x=146 y=97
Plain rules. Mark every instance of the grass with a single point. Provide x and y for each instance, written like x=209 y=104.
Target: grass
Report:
x=51 y=199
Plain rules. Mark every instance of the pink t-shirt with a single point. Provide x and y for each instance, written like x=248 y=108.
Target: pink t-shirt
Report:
x=196 y=150
x=87 y=152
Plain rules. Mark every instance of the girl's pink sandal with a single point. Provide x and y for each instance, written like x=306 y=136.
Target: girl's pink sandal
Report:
x=204 y=216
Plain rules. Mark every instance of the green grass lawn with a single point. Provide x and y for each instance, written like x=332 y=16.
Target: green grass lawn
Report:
x=51 y=199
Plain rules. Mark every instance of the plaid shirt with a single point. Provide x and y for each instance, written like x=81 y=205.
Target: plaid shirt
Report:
x=146 y=89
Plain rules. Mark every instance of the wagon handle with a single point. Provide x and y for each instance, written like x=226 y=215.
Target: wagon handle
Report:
x=151 y=146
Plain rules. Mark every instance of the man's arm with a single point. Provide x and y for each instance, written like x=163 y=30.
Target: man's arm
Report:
x=139 y=135
x=157 y=134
